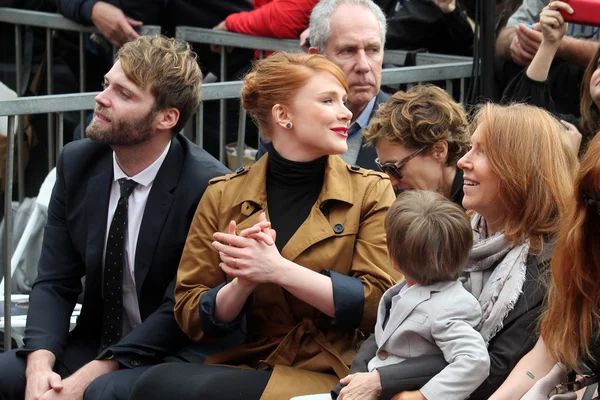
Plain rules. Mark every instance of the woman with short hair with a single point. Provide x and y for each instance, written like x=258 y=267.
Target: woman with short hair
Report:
x=419 y=135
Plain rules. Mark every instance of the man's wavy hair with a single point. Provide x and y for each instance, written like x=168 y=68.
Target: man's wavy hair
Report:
x=421 y=117
x=169 y=69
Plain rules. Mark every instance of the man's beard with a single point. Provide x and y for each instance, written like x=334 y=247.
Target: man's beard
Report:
x=123 y=132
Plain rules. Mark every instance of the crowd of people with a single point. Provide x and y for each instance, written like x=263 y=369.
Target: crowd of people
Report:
x=394 y=246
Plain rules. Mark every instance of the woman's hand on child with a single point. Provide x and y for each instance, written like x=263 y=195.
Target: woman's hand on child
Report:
x=361 y=386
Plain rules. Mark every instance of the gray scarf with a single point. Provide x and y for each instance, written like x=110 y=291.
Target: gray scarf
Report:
x=495 y=275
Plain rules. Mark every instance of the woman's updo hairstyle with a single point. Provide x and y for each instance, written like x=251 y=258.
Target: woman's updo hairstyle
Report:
x=276 y=79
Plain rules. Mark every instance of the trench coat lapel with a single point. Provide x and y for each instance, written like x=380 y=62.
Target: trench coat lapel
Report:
x=252 y=199
x=317 y=227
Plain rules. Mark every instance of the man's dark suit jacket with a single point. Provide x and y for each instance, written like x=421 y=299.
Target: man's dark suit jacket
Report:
x=366 y=155
x=73 y=247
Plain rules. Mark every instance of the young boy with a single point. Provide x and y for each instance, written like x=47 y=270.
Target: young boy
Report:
x=428 y=239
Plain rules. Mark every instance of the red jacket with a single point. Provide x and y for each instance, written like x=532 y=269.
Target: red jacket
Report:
x=283 y=19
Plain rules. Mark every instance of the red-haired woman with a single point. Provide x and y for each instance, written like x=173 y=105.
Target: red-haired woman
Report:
x=569 y=329
x=310 y=293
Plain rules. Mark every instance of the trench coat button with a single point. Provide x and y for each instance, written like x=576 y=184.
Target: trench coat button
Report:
x=383 y=355
x=354 y=167
x=135 y=363
x=338 y=228
x=240 y=170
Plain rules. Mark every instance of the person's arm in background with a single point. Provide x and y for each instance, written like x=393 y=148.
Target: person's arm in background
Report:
x=460 y=26
x=577 y=51
x=553 y=30
x=512 y=43
x=110 y=20
x=276 y=18
x=440 y=26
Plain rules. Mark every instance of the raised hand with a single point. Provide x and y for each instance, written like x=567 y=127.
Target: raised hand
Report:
x=552 y=22
x=114 y=24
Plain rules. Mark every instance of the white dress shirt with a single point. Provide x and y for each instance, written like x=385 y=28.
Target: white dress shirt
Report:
x=136 y=205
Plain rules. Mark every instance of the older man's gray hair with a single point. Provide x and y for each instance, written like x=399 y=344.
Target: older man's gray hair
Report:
x=320 y=20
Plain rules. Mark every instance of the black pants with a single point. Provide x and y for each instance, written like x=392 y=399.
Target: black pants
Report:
x=115 y=385
x=199 y=382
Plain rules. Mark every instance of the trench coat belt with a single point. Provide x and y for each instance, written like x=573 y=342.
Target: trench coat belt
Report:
x=288 y=348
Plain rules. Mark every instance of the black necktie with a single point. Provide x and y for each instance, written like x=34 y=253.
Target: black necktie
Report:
x=114 y=260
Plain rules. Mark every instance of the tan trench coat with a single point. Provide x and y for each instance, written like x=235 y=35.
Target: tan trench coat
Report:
x=307 y=353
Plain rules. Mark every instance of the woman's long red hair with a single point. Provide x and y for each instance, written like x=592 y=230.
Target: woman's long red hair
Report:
x=572 y=320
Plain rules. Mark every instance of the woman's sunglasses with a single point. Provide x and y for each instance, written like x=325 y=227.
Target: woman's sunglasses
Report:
x=395 y=169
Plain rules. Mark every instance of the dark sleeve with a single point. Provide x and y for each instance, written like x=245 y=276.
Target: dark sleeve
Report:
x=410 y=374
x=507 y=348
x=348 y=299
x=366 y=352
x=460 y=30
x=79 y=11
x=58 y=283
x=519 y=333
x=360 y=363
x=523 y=89
x=158 y=336
x=421 y=24
x=208 y=305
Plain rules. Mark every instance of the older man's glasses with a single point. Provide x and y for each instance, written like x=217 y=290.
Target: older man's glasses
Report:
x=395 y=169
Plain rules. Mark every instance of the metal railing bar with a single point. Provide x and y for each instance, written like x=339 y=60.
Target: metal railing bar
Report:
x=19 y=86
x=222 y=107
x=398 y=57
x=200 y=125
x=426 y=73
x=85 y=101
x=82 y=78
x=223 y=38
x=40 y=19
x=220 y=90
x=50 y=90
x=241 y=140
x=8 y=216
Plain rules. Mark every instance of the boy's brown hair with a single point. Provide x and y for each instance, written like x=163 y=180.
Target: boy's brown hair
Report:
x=428 y=237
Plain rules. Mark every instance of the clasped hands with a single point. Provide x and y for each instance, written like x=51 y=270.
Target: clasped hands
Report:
x=251 y=256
